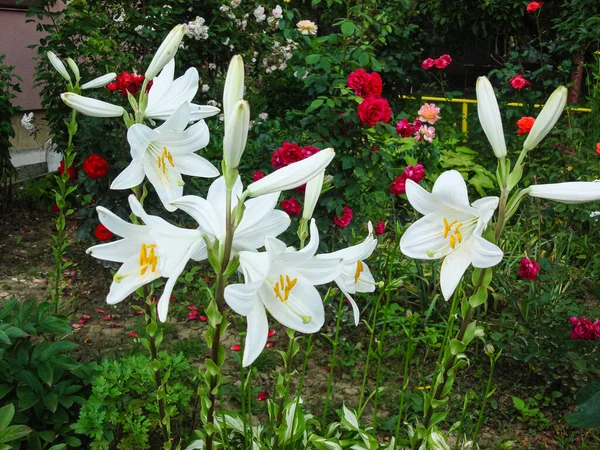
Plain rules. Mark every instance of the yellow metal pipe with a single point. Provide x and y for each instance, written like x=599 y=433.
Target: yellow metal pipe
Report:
x=465 y=106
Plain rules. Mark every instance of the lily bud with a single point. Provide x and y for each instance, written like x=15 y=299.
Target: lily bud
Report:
x=292 y=176
x=100 y=81
x=489 y=116
x=91 y=107
x=547 y=118
x=236 y=134
x=59 y=66
x=234 y=86
x=165 y=52
x=311 y=196
x=74 y=69
x=572 y=192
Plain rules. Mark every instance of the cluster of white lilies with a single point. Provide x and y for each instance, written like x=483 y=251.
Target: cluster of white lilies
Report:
x=279 y=279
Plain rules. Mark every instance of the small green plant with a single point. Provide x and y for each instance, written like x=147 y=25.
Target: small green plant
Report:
x=122 y=408
x=37 y=375
x=529 y=411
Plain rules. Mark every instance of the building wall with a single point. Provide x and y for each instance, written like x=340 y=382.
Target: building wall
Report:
x=15 y=37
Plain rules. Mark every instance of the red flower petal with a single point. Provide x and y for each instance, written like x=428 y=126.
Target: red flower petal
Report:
x=236 y=348
x=262 y=396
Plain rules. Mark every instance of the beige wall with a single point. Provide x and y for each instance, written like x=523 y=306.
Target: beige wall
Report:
x=15 y=37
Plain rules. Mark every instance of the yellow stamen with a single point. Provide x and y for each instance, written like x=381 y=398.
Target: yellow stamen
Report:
x=161 y=160
x=285 y=286
x=448 y=227
x=359 y=269
x=148 y=258
x=452 y=241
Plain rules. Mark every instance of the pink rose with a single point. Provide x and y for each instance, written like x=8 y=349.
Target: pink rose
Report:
x=518 y=82
x=443 y=61
x=415 y=173
x=429 y=113
x=428 y=64
x=398 y=187
x=380 y=228
x=529 y=269
x=425 y=133
x=582 y=329
x=405 y=129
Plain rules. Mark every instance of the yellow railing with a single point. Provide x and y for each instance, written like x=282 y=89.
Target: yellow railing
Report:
x=465 y=106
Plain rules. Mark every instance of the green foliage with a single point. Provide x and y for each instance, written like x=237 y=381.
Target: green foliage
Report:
x=8 y=86
x=587 y=413
x=37 y=374
x=122 y=408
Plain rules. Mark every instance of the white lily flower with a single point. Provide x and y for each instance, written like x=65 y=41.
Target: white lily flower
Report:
x=292 y=176
x=91 y=106
x=572 y=192
x=489 y=116
x=234 y=86
x=311 y=195
x=99 y=81
x=163 y=154
x=450 y=229
x=74 y=69
x=236 y=134
x=355 y=276
x=260 y=218
x=59 y=66
x=281 y=280
x=147 y=252
x=547 y=118
x=166 y=51
x=167 y=94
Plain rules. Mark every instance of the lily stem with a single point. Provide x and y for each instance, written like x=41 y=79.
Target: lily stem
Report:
x=287 y=375
x=220 y=301
x=332 y=360
x=485 y=398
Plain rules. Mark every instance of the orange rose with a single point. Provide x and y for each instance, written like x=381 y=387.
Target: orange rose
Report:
x=525 y=124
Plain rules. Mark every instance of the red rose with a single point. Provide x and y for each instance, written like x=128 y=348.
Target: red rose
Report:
x=598 y=148
x=398 y=187
x=291 y=206
x=102 y=233
x=374 y=85
x=345 y=219
x=415 y=173
x=357 y=81
x=72 y=170
x=309 y=150
x=525 y=124
x=533 y=7
x=259 y=174
x=582 y=328
x=380 y=228
x=95 y=166
x=529 y=269
x=518 y=82
x=443 y=61
x=276 y=160
x=405 y=129
x=128 y=82
x=428 y=64
x=290 y=153
x=373 y=110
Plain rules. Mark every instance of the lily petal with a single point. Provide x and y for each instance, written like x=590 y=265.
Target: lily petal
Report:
x=256 y=336
x=168 y=184
x=118 y=251
x=453 y=268
x=196 y=166
x=450 y=188
x=202 y=212
x=139 y=137
x=132 y=176
x=242 y=297
x=130 y=279
x=90 y=106
x=489 y=116
x=99 y=82
x=119 y=227
x=485 y=254
x=572 y=192
x=292 y=176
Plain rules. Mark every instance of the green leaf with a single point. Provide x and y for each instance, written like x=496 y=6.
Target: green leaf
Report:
x=313 y=59
x=479 y=297
x=457 y=347
x=4 y=338
x=51 y=401
x=7 y=412
x=45 y=372
x=348 y=28
x=27 y=398
x=13 y=433
x=519 y=404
